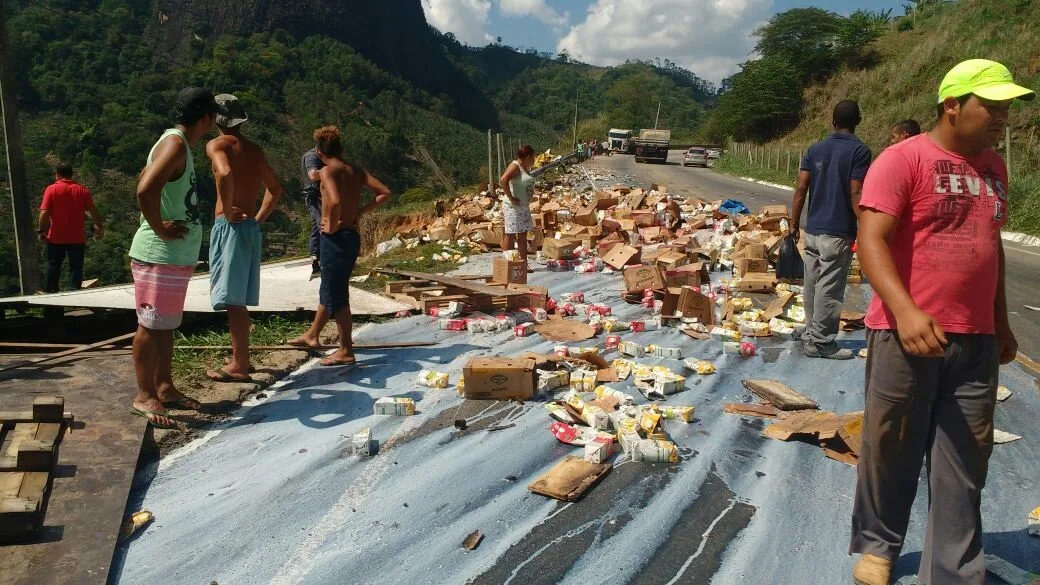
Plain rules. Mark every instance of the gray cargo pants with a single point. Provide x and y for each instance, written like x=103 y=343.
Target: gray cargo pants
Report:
x=935 y=408
x=827 y=260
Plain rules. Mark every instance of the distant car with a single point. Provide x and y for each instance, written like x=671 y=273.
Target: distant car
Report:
x=695 y=156
x=714 y=153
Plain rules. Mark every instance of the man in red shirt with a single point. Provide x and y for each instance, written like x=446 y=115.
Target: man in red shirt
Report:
x=929 y=240
x=65 y=205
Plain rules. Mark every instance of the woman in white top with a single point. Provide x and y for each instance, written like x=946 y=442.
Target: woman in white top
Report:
x=518 y=184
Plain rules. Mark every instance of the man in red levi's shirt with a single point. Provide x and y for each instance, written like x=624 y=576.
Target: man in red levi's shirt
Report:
x=65 y=205
x=929 y=241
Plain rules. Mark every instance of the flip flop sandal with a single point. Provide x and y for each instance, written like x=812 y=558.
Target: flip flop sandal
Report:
x=156 y=424
x=183 y=404
x=329 y=362
x=222 y=375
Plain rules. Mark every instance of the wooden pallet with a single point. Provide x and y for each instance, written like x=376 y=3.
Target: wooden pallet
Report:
x=29 y=444
x=424 y=295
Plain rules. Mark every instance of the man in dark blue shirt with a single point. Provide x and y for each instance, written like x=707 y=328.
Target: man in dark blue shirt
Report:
x=310 y=164
x=832 y=174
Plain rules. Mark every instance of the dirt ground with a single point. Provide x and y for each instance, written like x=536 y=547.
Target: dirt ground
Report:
x=220 y=399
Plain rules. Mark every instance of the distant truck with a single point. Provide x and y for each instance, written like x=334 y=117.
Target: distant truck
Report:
x=620 y=140
x=652 y=145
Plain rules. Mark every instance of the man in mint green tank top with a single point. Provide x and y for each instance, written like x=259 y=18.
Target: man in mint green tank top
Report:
x=165 y=251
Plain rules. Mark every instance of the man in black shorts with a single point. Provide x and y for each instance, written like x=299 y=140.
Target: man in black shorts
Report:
x=341 y=210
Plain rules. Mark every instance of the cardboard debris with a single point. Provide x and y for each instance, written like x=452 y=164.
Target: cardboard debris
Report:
x=561 y=330
x=499 y=378
x=757 y=410
x=570 y=479
x=780 y=395
x=819 y=424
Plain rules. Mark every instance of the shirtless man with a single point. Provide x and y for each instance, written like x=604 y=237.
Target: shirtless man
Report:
x=239 y=168
x=341 y=210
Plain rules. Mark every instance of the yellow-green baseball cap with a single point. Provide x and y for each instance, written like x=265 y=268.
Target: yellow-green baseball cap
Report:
x=987 y=79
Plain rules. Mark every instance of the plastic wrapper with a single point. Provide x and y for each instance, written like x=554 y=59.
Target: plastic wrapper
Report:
x=560 y=413
x=674 y=353
x=452 y=324
x=394 y=406
x=703 y=368
x=599 y=451
x=754 y=315
x=731 y=347
x=754 y=329
x=669 y=383
x=724 y=335
x=795 y=313
x=583 y=380
x=655 y=451
x=622 y=367
x=741 y=304
x=577 y=435
x=432 y=379
x=607 y=391
x=631 y=348
x=553 y=379
x=573 y=297
x=677 y=413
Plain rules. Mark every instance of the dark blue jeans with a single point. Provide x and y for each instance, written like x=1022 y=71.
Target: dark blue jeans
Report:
x=56 y=257
x=314 y=207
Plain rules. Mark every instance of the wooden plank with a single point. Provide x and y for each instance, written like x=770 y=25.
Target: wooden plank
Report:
x=388 y=345
x=48 y=432
x=845 y=457
x=10 y=483
x=69 y=352
x=780 y=395
x=456 y=282
x=407 y=300
x=34 y=484
x=18 y=506
x=33 y=345
x=26 y=416
x=21 y=432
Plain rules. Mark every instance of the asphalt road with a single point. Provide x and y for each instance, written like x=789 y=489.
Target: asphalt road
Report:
x=1023 y=262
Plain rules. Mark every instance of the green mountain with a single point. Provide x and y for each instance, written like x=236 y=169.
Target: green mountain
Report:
x=96 y=79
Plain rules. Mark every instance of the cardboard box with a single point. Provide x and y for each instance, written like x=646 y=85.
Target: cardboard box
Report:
x=506 y=272
x=746 y=266
x=535 y=296
x=492 y=236
x=692 y=304
x=756 y=282
x=670 y=301
x=628 y=225
x=693 y=275
x=750 y=251
x=643 y=217
x=672 y=260
x=606 y=201
x=499 y=379
x=622 y=213
x=654 y=234
x=535 y=239
x=441 y=233
x=638 y=278
x=621 y=255
x=586 y=216
x=697 y=222
x=554 y=249
x=774 y=211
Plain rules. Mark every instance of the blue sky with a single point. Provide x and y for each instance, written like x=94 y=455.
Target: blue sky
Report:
x=711 y=37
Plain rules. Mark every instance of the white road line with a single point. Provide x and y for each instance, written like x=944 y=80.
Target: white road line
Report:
x=1017 y=249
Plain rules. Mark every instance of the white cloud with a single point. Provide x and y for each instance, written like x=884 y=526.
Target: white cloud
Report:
x=537 y=9
x=709 y=37
x=466 y=19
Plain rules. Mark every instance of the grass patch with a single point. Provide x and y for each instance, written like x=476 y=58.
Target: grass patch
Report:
x=1024 y=201
x=189 y=365
x=418 y=259
x=738 y=167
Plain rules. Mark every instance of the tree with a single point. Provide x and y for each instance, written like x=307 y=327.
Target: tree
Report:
x=765 y=99
x=805 y=38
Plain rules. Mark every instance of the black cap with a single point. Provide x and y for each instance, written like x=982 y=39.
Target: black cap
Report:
x=194 y=103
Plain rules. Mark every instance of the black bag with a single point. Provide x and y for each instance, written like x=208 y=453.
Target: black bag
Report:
x=790 y=265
